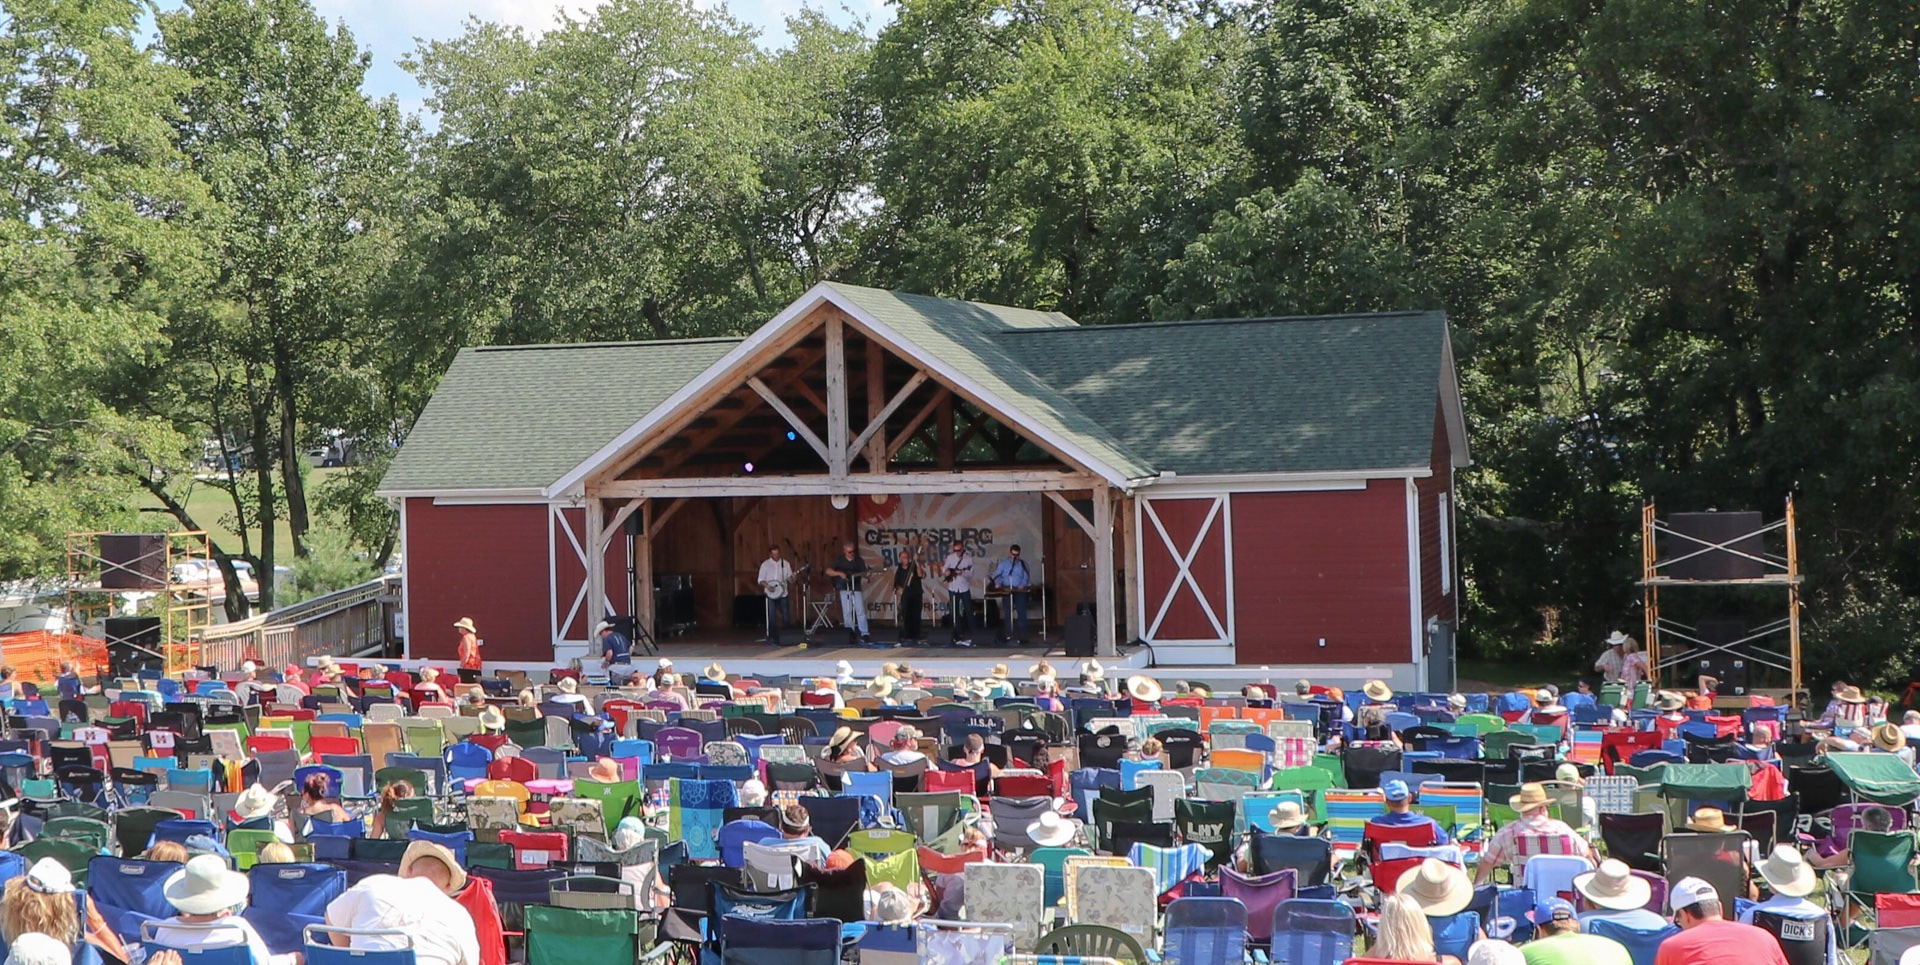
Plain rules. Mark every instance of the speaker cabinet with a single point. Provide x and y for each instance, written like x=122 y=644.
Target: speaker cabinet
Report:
x=132 y=645
x=135 y=561
x=884 y=634
x=1715 y=564
x=834 y=637
x=788 y=637
x=1079 y=633
x=939 y=636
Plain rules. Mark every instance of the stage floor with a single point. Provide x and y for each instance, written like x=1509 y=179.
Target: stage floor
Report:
x=742 y=651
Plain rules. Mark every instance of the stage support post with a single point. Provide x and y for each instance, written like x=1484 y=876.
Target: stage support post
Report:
x=1130 y=531
x=1106 y=643
x=596 y=516
x=643 y=568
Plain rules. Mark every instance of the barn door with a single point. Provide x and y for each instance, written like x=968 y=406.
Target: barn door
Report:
x=1186 y=578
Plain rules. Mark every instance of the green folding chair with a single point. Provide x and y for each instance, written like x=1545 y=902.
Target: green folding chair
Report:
x=1301 y=779
x=245 y=844
x=528 y=733
x=410 y=775
x=93 y=833
x=570 y=936
x=72 y=855
x=1333 y=764
x=616 y=800
x=407 y=812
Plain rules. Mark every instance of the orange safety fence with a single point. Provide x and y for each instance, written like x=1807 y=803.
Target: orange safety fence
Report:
x=37 y=654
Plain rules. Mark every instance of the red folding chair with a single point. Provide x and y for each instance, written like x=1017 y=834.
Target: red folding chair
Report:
x=936 y=780
x=268 y=742
x=321 y=744
x=136 y=709
x=1022 y=785
x=1619 y=746
x=535 y=849
x=492 y=742
x=933 y=862
x=1426 y=834
x=512 y=769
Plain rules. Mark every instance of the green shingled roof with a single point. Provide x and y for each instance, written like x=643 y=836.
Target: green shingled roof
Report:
x=518 y=417
x=1333 y=393
x=1330 y=393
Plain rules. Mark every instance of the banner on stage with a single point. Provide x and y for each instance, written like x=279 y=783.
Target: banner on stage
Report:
x=988 y=523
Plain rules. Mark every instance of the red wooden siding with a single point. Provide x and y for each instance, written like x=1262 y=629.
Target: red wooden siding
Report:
x=484 y=562
x=1433 y=603
x=1186 y=614
x=1314 y=565
x=569 y=573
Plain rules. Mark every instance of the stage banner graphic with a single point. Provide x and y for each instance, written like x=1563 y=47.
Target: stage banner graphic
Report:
x=927 y=524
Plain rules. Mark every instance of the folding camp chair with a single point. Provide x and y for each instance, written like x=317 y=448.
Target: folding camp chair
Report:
x=938 y=942
x=1206 y=930
x=569 y=936
x=1719 y=859
x=1211 y=823
x=214 y=943
x=1635 y=838
x=1127 y=900
x=289 y=898
x=1013 y=894
x=129 y=891
x=1882 y=863
x=1310 y=859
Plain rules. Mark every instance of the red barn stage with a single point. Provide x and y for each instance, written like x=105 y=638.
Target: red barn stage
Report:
x=1269 y=494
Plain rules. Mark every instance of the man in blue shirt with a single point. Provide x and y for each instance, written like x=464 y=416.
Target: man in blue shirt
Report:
x=1012 y=573
x=1400 y=813
x=615 y=648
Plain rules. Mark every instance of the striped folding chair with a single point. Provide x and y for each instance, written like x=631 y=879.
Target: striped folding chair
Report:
x=1348 y=811
x=1469 y=802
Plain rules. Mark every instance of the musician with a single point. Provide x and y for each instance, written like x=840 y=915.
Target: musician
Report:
x=1012 y=574
x=908 y=591
x=957 y=570
x=775 y=574
x=847 y=571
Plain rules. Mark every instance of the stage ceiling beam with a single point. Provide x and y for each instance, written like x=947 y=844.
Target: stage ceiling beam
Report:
x=982 y=481
x=874 y=440
x=879 y=421
x=805 y=359
x=836 y=453
x=660 y=519
x=793 y=420
x=904 y=436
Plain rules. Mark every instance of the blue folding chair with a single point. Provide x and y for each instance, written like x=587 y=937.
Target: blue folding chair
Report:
x=356 y=946
x=1308 y=931
x=629 y=747
x=433 y=767
x=335 y=779
x=454 y=841
x=186 y=940
x=467 y=762
x=180 y=829
x=288 y=898
x=129 y=892
x=867 y=784
x=1206 y=931
x=802 y=941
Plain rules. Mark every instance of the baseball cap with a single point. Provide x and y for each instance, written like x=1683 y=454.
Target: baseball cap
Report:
x=1553 y=909
x=1690 y=891
x=1396 y=790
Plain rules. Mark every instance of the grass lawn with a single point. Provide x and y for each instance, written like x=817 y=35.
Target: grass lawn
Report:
x=212 y=508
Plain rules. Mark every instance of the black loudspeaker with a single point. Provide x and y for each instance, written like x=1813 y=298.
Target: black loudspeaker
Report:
x=787 y=637
x=133 y=561
x=834 y=637
x=939 y=636
x=881 y=633
x=749 y=611
x=632 y=525
x=132 y=645
x=1715 y=564
x=1079 y=634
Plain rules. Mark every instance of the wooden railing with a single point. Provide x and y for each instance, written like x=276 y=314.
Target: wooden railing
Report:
x=344 y=622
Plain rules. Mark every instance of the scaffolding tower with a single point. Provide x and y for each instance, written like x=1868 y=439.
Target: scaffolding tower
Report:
x=183 y=607
x=1759 y=645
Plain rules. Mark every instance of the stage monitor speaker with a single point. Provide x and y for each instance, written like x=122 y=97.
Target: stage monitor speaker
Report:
x=788 y=637
x=834 y=637
x=1715 y=564
x=133 y=561
x=884 y=633
x=939 y=636
x=1079 y=633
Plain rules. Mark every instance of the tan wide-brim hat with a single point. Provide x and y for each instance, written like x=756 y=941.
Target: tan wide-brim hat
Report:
x=882 y=687
x=1668 y=700
x=999 y=671
x=205 y=886
x=1708 y=821
x=714 y=673
x=254 y=802
x=1377 y=691
x=1457 y=702
x=568 y=685
x=1852 y=695
x=1614 y=887
x=1286 y=816
x=841 y=738
x=606 y=770
x=1787 y=873
x=464 y=623
x=1440 y=889
x=1092 y=671
x=1889 y=737
x=492 y=719
x=1532 y=796
x=1144 y=689
x=428 y=851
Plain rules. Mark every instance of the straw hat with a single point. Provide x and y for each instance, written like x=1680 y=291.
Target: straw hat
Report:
x=492 y=720
x=1668 y=700
x=1199 y=690
x=1709 y=821
x=881 y=686
x=982 y=689
x=1852 y=695
x=1377 y=691
x=714 y=673
x=205 y=886
x=1617 y=639
x=429 y=851
x=1144 y=689
x=1286 y=816
x=1613 y=887
x=464 y=623
x=606 y=770
x=254 y=802
x=999 y=671
x=429 y=675
x=1051 y=830
x=1787 y=873
x=568 y=685
x=893 y=907
x=1041 y=669
x=1092 y=672
x=840 y=739
x=1889 y=737
x=1440 y=889
x=1532 y=796
x=1457 y=702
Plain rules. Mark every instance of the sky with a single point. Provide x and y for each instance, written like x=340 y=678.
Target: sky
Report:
x=388 y=29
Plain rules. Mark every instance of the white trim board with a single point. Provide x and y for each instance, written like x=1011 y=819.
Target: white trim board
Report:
x=1219 y=514
x=1416 y=614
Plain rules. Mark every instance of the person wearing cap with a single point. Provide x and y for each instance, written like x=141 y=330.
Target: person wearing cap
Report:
x=1791 y=880
x=615 y=648
x=45 y=900
x=1559 y=940
x=664 y=691
x=1400 y=812
x=206 y=892
x=1536 y=823
x=905 y=747
x=1707 y=937
x=469 y=650
x=416 y=902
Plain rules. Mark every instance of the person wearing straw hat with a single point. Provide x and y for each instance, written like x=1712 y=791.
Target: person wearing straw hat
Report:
x=1050 y=830
x=1377 y=691
x=468 y=650
x=1042 y=669
x=1791 y=880
x=844 y=748
x=570 y=694
x=606 y=770
x=253 y=811
x=828 y=688
x=1613 y=660
x=1144 y=689
x=998 y=682
x=441 y=929
x=1093 y=677
x=883 y=688
x=206 y=892
x=1537 y=824
x=1888 y=738
x=492 y=721
x=1440 y=889
x=1709 y=820
x=615 y=648
x=1560 y=942
x=893 y=907
x=435 y=863
x=1618 y=896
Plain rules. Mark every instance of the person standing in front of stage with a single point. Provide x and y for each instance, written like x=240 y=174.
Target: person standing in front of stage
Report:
x=774 y=576
x=847 y=571
x=957 y=570
x=907 y=590
x=1012 y=574
x=469 y=650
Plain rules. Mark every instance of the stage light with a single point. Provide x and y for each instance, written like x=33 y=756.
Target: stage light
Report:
x=749 y=467
x=791 y=435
